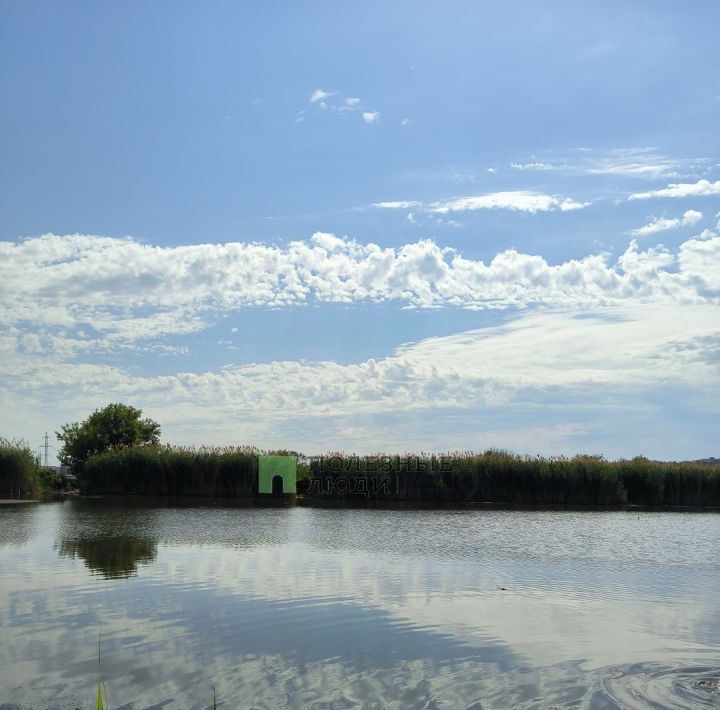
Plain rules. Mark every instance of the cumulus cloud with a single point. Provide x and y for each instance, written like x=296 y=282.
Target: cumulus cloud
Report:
x=596 y=324
x=691 y=217
x=371 y=116
x=683 y=189
x=124 y=291
x=662 y=224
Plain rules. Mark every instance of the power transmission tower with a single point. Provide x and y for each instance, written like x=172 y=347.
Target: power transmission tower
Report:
x=45 y=446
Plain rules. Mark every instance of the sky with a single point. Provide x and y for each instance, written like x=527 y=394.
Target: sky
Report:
x=322 y=226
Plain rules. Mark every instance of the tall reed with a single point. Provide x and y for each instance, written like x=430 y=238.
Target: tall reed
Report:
x=500 y=477
x=492 y=476
x=173 y=471
x=20 y=475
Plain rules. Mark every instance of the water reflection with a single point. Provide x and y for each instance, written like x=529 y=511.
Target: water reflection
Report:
x=112 y=557
x=19 y=523
x=301 y=607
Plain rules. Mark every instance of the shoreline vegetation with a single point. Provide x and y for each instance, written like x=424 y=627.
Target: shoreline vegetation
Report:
x=495 y=477
x=117 y=452
x=21 y=476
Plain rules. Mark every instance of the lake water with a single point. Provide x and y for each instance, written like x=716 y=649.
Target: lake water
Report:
x=340 y=608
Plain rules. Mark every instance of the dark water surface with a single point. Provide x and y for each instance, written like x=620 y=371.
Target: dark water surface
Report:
x=341 y=608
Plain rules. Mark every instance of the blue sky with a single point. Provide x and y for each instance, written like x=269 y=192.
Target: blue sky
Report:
x=365 y=225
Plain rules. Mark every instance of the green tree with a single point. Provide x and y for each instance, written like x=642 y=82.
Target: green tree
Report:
x=116 y=426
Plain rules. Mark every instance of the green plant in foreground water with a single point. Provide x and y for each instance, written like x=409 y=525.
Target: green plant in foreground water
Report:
x=101 y=702
x=102 y=690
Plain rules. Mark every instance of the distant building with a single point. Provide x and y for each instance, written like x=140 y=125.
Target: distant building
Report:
x=277 y=475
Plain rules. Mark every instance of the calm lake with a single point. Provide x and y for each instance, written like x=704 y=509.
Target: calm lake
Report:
x=299 y=607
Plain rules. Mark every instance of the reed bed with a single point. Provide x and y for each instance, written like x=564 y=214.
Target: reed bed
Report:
x=227 y=472
x=20 y=475
x=501 y=477
x=492 y=476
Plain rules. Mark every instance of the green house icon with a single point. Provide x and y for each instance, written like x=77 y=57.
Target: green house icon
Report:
x=277 y=474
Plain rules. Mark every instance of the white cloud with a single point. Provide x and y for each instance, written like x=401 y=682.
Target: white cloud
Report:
x=561 y=348
x=662 y=224
x=319 y=95
x=532 y=166
x=397 y=204
x=641 y=163
x=651 y=168
x=657 y=224
x=347 y=105
x=519 y=200
x=648 y=170
x=126 y=292
x=691 y=217
x=699 y=188
x=405 y=122
x=610 y=328
x=601 y=355
x=644 y=162
x=332 y=102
